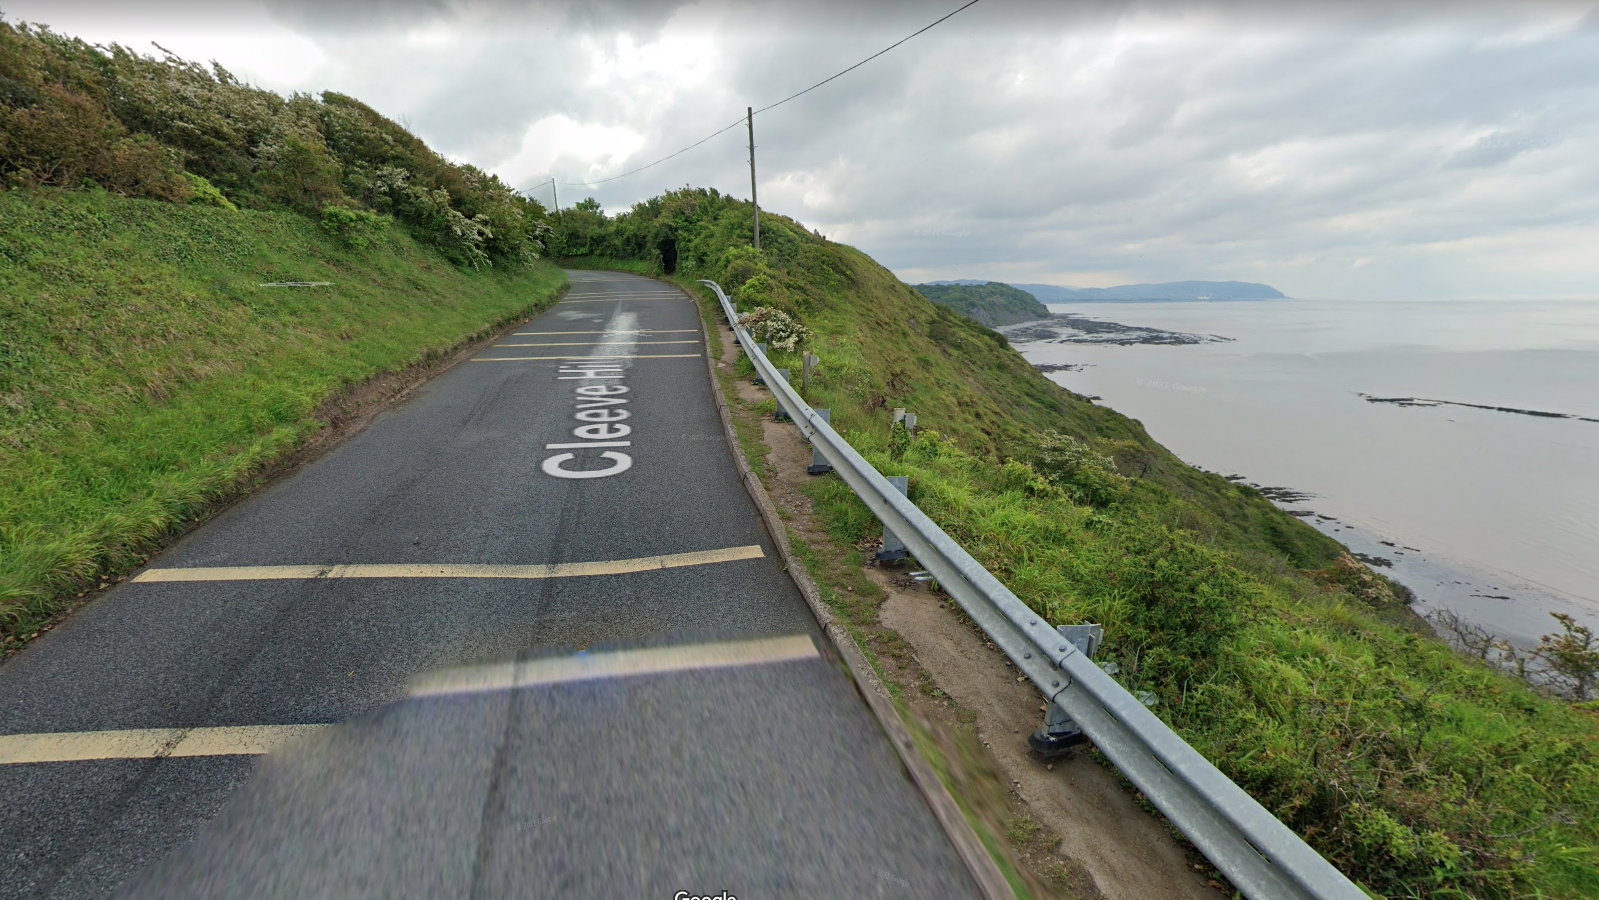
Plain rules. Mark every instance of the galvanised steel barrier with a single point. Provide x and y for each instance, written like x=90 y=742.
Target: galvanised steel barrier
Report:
x=1259 y=854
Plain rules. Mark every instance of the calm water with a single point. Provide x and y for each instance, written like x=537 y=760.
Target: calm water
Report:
x=1493 y=514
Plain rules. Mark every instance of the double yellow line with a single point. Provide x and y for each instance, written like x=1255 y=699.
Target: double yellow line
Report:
x=437 y=570
x=249 y=740
x=254 y=740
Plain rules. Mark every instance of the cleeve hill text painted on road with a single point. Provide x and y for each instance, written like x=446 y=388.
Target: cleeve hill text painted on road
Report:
x=602 y=407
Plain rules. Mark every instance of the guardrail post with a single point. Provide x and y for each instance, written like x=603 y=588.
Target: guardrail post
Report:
x=893 y=548
x=819 y=464
x=758 y=378
x=782 y=414
x=1060 y=733
x=805 y=371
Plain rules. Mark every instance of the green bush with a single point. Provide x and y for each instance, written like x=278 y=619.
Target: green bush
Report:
x=298 y=172
x=739 y=265
x=72 y=114
x=68 y=139
x=205 y=193
x=581 y=231
x=357 y=228
x=1087 y=475
x=1183 y=603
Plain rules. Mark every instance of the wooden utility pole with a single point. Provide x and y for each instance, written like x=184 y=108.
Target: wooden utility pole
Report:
x=557 y=195
x=749 y=113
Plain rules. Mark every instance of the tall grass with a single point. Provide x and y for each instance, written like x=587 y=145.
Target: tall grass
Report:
x=1416 y=771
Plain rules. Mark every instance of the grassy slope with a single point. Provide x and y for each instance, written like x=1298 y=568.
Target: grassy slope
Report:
x=144 y=373
x=992 y=304
x=1415 y=770
x=889 y=346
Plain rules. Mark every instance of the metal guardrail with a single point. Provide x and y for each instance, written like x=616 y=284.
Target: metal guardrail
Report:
x=1259 y=854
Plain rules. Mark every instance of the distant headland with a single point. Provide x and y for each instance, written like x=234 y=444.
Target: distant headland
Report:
x=1171 y=290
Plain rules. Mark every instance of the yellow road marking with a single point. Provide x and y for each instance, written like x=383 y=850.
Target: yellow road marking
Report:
x=411 y=570
x=639 y=356
x=593 y=343
x=602 y=300
x=148 y=743
x=619 y=664
x=645 y=331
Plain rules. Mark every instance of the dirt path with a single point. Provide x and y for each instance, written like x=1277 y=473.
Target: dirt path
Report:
x=1126 y=850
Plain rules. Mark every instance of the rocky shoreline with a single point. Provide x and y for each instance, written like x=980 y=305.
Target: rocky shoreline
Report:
x=1423 y=401
x=1063 y=328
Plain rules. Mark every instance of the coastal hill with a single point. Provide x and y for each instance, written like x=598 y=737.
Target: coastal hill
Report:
x=994 y=304
x=1172 y=290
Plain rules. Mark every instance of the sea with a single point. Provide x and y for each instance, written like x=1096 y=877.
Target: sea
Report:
x=1453 y=445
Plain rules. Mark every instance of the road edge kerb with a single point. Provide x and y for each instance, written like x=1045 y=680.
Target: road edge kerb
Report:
x=979 y=862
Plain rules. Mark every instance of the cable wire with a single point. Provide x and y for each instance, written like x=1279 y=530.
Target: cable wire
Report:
x=651 y=165
x=777 y=104
x=865 y=61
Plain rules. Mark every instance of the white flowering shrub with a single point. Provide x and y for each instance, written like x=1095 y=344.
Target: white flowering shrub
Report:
x=769 y=325
x=460 y=238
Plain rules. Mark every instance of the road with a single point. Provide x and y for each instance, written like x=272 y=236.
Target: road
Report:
x=523 y=636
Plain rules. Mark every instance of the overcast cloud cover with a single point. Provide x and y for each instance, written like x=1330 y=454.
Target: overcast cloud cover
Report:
x=1376 y=150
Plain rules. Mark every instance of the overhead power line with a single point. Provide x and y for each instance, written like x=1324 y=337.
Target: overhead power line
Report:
x=778 y=103
x=653 y=164
x=864 y=61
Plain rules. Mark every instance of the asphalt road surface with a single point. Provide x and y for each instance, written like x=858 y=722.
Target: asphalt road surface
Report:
x=524 y=636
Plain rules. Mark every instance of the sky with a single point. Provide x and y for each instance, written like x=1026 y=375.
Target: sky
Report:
x=1359 y=150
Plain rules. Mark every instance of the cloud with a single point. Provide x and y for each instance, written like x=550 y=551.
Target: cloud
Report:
x=244 y=37
x=1363 y=149
x=593 y=151
x=1500 y=147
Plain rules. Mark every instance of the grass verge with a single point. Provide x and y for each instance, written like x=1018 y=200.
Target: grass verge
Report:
x=146 y=372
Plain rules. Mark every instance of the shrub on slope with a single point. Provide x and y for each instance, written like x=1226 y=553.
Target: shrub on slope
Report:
x=73 y=114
